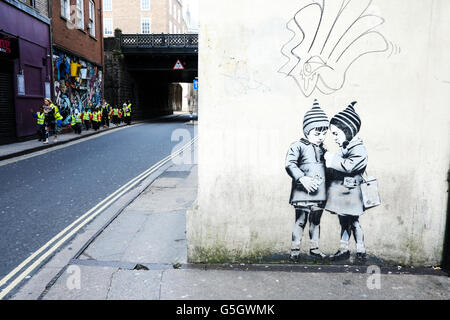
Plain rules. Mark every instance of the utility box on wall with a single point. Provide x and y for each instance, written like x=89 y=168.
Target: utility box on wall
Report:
x=262 y=65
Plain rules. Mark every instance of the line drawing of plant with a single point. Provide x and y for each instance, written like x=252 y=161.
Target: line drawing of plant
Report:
x=328 y=38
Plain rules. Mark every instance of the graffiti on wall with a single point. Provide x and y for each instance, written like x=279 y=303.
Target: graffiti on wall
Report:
x=328 y=38
x=331 y=182
x=78 y=85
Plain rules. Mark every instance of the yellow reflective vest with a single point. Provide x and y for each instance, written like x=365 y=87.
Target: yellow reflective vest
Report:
x=40 y=118
x=58 y=116
x=75 y=120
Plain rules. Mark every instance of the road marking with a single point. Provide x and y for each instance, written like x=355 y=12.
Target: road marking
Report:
x=89 y=216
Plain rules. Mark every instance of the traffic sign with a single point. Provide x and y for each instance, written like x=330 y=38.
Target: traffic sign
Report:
x=195 y=84
x=178 y=66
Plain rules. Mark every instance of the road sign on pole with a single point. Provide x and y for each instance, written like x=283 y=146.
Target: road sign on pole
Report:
x=195 y=84
x=178 y=66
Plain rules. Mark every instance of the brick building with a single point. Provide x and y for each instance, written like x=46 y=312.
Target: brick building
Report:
x=144 y=16
x=25 y=65
x=78 y=61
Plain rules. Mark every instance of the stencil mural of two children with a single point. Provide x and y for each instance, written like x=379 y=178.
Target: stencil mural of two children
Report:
x=325 y=181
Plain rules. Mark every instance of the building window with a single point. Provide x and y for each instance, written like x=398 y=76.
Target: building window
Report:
x=65 y=9
x=108 y=25
x=145 y=5
x=80 y=14
x=107 y=5
x=145 y=23
x=28 y=2
x=91 y=18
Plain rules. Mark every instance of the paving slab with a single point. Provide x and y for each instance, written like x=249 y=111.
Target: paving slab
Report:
x=245 y=285
x=162 y=239
x=82 y=283
x=135 y=285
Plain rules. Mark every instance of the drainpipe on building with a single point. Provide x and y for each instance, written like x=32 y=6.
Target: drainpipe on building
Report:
x=103 y=49
x=52 y=80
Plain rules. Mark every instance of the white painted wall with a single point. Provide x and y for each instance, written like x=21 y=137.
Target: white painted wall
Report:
x=250 y=114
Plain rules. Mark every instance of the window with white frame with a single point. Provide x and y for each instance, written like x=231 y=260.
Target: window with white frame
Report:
x=107 y=5
x=108 y=25
x=145 y=25
x=92 y=18
x=65 y=9
x=80 y=14
x=145 y=5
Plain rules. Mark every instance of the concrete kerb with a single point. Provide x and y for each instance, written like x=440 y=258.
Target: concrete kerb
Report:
x=47 y=146
x=54 y=266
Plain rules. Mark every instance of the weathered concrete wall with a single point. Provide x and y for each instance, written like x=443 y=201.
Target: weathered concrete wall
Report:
x=251 y=113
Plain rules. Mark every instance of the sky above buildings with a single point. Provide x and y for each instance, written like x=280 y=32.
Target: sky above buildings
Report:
x=193 y=8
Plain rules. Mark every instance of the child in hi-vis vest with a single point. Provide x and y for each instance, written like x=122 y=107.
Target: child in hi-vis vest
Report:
x=306 y=166
x=345 y=169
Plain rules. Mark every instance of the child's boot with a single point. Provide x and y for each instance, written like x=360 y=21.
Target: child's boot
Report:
x=361 y=256
x=315 y=252
x=295 y=252
x=314 y=234
x=343 y=253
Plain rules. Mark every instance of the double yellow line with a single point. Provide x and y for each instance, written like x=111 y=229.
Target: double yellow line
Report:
x=79 y=223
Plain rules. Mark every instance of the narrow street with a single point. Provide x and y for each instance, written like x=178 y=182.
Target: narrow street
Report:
x=40 y=196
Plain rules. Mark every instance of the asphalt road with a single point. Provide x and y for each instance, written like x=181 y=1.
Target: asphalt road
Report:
x=41 y=196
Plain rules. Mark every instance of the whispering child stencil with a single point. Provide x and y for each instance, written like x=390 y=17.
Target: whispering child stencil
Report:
x=345 y=170
x=305 y=164
x=322 y=180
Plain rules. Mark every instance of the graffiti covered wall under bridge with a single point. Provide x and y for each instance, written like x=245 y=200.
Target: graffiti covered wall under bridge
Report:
x=78 y=84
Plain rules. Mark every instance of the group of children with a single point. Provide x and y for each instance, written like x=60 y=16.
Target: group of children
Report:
x=49 y=118
x=325 y=181
x=101 y=116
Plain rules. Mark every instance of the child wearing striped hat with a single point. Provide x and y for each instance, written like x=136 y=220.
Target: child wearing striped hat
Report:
x=345 y=169
x=305 y=164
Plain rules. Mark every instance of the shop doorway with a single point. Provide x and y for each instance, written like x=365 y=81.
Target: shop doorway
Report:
x=7 y=110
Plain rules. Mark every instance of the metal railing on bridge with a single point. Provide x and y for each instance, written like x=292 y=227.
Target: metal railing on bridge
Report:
x=160 y=41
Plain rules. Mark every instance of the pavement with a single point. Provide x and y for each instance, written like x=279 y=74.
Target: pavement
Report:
x=137 y=250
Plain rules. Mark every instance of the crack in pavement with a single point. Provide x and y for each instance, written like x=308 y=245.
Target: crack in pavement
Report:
x=160 y=284
x=110 y=283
